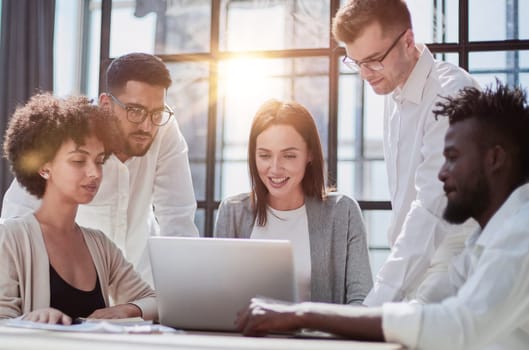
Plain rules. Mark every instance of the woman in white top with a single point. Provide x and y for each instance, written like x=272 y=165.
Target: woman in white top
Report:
x=289 y=201
x=51 y=269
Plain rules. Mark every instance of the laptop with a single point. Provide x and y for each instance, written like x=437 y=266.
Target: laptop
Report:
x=201 y=283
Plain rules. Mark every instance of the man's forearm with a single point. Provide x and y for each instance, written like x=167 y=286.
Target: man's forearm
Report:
x=348 y=321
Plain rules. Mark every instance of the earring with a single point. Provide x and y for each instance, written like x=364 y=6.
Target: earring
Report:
x=45 y=175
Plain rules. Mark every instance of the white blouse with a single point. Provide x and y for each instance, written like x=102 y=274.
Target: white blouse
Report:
x=291 y=225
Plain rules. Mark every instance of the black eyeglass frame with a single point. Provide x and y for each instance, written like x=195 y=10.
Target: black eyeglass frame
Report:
x=144 y=112
x=374 y=65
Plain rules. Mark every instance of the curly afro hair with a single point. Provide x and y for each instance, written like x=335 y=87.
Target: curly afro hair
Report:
x=37 y=130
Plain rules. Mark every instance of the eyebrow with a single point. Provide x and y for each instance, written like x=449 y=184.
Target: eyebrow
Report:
x=283 y=150
x=368 y=58
x=82 y=151
x=137 y=105
x=78 y=150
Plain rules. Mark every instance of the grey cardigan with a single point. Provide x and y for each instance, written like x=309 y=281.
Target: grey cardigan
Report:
x=340 y=263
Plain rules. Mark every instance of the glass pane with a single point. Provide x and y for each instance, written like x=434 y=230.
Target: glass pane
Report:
x=91 y=75
x=359 y=108
x=434 y=21
x=244 y=84
x=234 y=176
x=363 y=180
x=160 y=27
x=377 y=223
x=200 y=221
x=350 y=114
x=377 y=259
x=274 y=24
x=373 y=123
x=67 y=47
x=509 y=21
x=508 y=66
x=188 y=96
x=523 y=7
x=447 y=57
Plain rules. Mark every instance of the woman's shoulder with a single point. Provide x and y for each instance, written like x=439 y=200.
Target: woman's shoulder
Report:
x=21 y=232
x=236 y=198
x=240 y=200
x=338 y=199
x=20 y=225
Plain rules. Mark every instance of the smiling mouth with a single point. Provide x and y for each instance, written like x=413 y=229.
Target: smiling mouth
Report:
x=278 y=180
x=448 y=190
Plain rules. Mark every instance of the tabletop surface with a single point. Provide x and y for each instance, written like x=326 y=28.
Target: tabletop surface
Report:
x=43 y=340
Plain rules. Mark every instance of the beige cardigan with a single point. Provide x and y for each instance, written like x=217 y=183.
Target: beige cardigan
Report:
x=24 y=270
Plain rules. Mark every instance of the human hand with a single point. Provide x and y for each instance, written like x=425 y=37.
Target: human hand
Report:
x=48 y=315
x=118 y=311
x=262 y=316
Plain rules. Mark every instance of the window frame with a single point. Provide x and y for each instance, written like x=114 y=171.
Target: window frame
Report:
x=463 y=48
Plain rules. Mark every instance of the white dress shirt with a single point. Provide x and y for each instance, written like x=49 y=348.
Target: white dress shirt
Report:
x=413 y=151
x=144 y=196
x=487 y=289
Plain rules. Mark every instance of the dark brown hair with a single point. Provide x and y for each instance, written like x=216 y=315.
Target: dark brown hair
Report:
x=137 y=66
x=274 y=112
x=352 y=18
x=37 y=130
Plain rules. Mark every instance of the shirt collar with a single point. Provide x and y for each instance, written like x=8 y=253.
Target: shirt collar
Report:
x=510 y=207
x=413 y=88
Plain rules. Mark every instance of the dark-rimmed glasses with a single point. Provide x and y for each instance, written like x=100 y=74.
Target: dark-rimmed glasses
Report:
x=138 y=114
x=374 y=65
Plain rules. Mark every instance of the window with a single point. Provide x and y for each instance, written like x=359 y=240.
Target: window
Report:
x=228 y=56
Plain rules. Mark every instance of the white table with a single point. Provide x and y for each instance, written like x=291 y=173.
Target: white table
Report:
x=18 y=338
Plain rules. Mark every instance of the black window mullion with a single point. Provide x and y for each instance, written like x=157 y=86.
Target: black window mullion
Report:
x=104 y=51
x=332 y=130
x=463 y=34
x=211 y=205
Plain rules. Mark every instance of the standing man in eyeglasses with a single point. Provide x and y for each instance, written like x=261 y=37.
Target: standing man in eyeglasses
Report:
x=380 y=46
x=146 y=188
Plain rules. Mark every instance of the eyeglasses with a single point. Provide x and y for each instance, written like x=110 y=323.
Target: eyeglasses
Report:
x=374 y=65
x=137 y=114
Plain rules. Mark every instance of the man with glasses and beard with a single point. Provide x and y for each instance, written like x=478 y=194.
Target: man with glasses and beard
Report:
x=146 y=188
x=380 y=46
x=484 y=294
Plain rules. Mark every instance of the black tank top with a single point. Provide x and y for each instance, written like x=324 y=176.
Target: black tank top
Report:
x=72 y=301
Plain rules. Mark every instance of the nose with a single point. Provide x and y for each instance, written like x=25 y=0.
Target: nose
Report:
x=94 y=170
x=146 y=125
x=276 y=164
x=443 y=173
x=365 y=72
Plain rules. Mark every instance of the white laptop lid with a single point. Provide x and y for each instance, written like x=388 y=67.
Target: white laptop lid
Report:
x=201 y=283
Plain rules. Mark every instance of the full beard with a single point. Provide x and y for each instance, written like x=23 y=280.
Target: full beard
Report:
x=471 y=203
x=128 y=147
x=135 y=151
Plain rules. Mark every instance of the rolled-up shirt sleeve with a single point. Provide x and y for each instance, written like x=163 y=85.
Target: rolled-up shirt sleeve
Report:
x=401 y=323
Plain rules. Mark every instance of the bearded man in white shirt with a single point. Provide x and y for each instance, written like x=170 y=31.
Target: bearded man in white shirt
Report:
x=485 y=291
x=146 y=188
x=380 y=46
